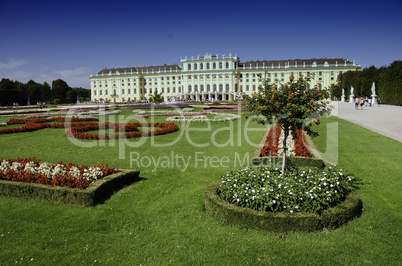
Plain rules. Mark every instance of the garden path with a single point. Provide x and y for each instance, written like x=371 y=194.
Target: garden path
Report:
x=383 y=119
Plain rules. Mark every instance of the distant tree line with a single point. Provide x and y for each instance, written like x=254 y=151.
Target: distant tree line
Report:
x=15 y=92
x=388 y=83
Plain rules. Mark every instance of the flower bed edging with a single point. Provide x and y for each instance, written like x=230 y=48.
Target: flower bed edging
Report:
x=233 y=215
x=92 y=195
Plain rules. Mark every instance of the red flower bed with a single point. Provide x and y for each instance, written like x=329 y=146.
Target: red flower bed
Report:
x=36 y=124
x=271 y=144
x=300 y=144
x=75 y=129
x=66 y=179
x=129 y=130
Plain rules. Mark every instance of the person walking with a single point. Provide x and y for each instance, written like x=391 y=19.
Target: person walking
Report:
x=361 y=103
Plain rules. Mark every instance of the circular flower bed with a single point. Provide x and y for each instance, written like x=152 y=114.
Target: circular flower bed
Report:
x=59 y=174
x=261 y=198
x=266 y=189
x=129 y=130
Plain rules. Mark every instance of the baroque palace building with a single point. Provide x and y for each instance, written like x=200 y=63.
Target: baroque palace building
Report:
x=209 y=77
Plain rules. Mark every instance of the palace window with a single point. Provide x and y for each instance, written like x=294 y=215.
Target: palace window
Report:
x=168 y=90
x=201 y=66
x=214 y=87
x=227 y=64
x=220 y=87
x=214 y=66
x=207 y=65
x=122 y=91
x=208 y=88
x=220 y=76
x=220 y=65
x=195 y=88
x=129 y=91
x=227 y=87
x=189 y=88
x=100 y=92
x=195 y=66
x=189 y=66
x=202 y=88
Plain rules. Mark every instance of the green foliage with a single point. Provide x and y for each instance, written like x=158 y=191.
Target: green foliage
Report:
x=267 y=189
x=391 y=84
x=16 y=92
x=292 y=105
x=156 y=97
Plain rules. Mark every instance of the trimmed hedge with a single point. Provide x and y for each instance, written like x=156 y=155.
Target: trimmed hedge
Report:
x=298 y=161
x=233 y=215
x=92 y=195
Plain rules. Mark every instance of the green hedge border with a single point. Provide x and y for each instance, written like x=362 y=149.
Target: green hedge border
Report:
x=97 y=192
x=233 y=215
x=298 y=161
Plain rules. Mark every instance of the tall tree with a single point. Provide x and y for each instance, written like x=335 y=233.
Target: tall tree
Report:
x=59 y=89
x=391 y=84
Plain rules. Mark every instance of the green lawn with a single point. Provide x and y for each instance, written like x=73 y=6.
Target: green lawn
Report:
x=160 y=219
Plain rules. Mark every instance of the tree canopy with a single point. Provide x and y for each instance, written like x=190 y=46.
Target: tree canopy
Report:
x=17 y=92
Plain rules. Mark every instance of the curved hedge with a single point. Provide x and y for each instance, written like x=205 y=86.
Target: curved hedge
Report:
x=233 y=215
x=95 y=193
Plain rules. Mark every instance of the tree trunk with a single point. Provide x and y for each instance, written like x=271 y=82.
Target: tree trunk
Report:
x=285 y=137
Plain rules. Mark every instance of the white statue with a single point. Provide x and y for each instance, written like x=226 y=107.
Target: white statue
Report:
x=373 y=89
x=351 y=91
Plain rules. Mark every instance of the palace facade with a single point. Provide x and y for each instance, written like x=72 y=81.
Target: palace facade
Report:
x=208 y=77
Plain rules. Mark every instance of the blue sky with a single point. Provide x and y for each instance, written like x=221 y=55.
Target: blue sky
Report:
x=45 y=40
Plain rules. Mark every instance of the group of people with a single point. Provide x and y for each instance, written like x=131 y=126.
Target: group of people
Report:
x=364 y=102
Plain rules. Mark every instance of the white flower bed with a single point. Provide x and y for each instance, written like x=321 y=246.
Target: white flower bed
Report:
x=222 y=117
x=50 y=170
x=3 y=124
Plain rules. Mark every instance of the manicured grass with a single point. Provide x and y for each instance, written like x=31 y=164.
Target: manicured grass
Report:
x=160 y=220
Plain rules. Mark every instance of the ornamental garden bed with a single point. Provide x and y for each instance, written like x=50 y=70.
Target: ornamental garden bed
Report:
x=67 y=183
x=281 y=222
x=269 y=152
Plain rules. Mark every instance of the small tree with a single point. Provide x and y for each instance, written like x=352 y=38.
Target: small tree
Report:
x=291 y=106
x=156 y=97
